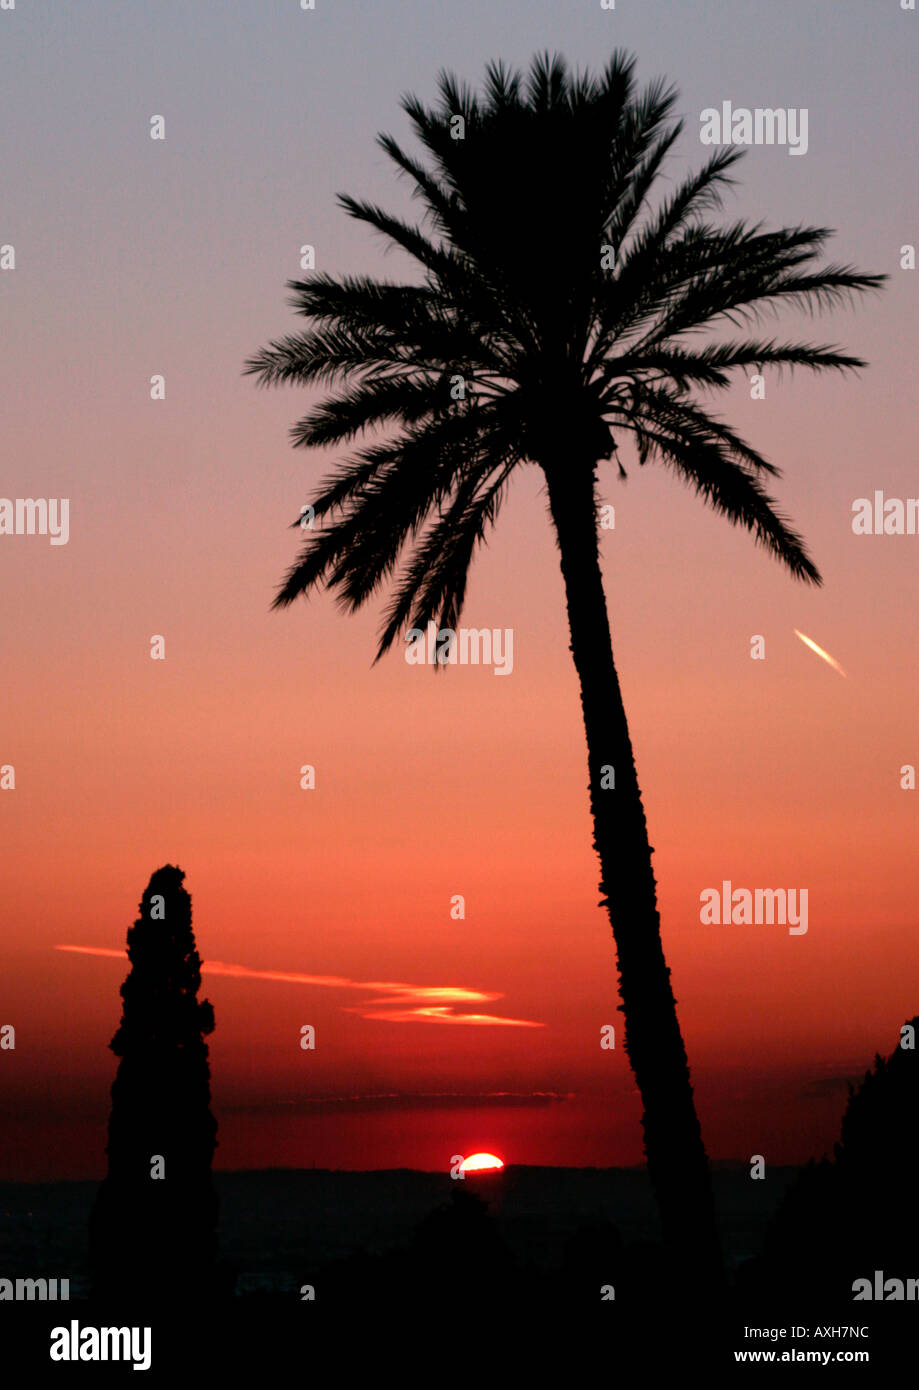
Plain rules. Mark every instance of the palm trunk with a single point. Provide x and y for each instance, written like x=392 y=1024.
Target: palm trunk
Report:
x=677 y=1162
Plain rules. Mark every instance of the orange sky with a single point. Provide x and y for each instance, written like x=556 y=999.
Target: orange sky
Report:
x=770 y=773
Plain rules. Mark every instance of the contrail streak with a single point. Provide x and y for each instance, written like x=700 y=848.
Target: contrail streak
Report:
x=831 y=660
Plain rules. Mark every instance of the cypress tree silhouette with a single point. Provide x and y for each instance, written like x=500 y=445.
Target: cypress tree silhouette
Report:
x=153 y=1226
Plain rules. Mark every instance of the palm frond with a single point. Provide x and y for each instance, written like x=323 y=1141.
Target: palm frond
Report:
x=736 y=493
x=512 y=295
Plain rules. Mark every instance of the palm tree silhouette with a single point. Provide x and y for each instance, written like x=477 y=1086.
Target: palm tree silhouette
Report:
x=556 y=309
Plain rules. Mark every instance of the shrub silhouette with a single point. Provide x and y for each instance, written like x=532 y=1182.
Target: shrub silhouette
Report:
x=150 y=1236
x=458 y=1248
x=846 y=1217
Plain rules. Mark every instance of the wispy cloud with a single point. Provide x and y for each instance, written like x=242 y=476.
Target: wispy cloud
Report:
x=395 y=1003
x=830 y=1085
x=420 y=1100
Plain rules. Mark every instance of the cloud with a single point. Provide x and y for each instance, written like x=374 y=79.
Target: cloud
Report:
x=399 y=1003
x=829 y=1086
x=423 y=1100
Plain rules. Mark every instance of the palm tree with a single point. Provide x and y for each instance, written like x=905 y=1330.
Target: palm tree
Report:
x=568 y=307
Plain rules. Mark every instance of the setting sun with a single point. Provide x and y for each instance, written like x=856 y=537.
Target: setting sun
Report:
x=478 y=1163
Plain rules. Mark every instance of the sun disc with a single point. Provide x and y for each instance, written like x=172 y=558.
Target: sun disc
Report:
x=478 y=1163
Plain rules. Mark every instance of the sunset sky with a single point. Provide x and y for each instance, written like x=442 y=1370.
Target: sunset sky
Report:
x=136 y=257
